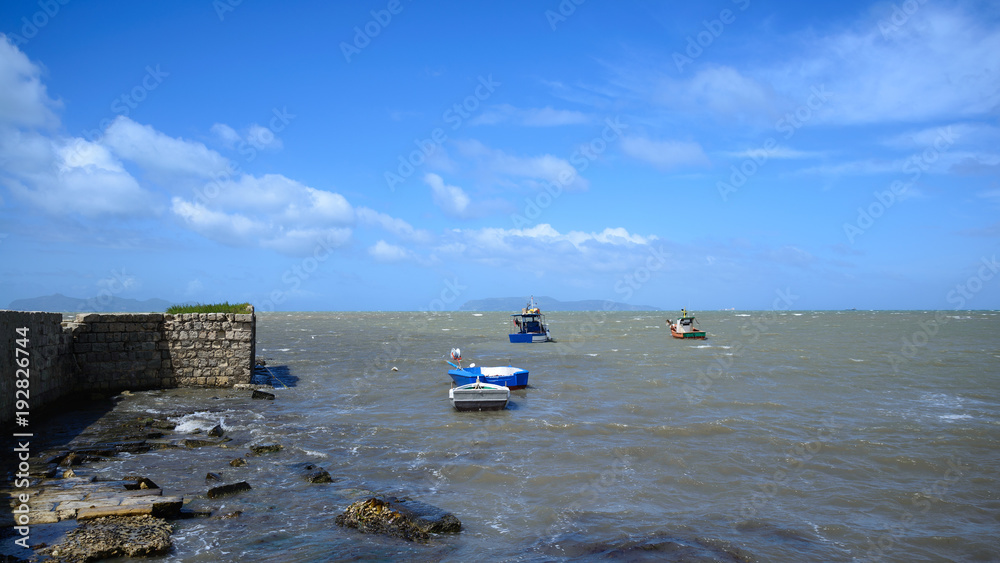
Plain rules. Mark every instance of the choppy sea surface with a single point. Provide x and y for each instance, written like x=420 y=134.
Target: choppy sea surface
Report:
x=785 y=436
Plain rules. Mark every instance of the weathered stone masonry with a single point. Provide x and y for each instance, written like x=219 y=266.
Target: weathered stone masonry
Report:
x=110 y=352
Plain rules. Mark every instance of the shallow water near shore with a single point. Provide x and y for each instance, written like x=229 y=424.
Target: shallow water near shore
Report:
x=798 y=436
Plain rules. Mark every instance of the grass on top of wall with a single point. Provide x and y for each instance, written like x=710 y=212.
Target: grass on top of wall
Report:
x=239 y=308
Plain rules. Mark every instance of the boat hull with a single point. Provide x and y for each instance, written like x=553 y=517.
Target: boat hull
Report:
x=507 y=376
x=694 y=334
x=527 y=337
x=479 y=397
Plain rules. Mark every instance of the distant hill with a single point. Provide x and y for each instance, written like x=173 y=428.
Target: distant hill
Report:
x=59 y=303
x=547 y=304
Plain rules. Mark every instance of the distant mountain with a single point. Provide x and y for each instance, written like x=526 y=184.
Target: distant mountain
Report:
x=59 y=303
x=547 y=304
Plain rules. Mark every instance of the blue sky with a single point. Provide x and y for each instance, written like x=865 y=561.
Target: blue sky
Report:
x=407 y=155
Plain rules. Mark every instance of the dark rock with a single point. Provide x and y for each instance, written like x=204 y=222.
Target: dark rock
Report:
x=235 y=514
x=198 y=443
x=213 y=476
x=113 y=536
x=260 y=362
x=70 y=459
x=658 y=546
x=141 y=483
x=312 y=472
x=238 y=462
x=194 y=513
x=266 y=448
x=320 y=476
x=262 y=395
x=216 y=431
x=407 y=519
x=109 y=449
x=231 y=489
x=164 y=424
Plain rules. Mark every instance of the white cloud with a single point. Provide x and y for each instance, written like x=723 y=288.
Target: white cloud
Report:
x=72 y=177
x=305 y=242
x=778 y=152
x=940 y=63
x=226 y=134
x=385 y=252
x=529 y=117
x=451 y=199
x=228 y=228
x=24 y=101
x=542 y=248
x=285 y=200
x=534 y=171
x=272 y=212
x=164 y=156
x=398 y=227
x=253 y=137
x=665 y=154
x=726 y=91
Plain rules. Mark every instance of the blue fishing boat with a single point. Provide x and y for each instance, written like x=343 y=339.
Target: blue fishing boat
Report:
x=507 y=376
x=530 y=325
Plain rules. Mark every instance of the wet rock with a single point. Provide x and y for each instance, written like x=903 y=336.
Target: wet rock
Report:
x=163 y=424
x=200 y=443
x=655 y=547
x=210 y=476
x=262 y=395
x=110 y=449
x=238 y=462
x=266 y=448
x=70 y=459
x=234 y=514
x=321 y=476
x=260 y=362
x=141 y=483
x=194 y=513
x=113 y=536
x=402 y=518
x=312 y=472
x=216 y=431
x=231 y=489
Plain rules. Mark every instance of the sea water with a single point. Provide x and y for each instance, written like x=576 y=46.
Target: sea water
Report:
x=784 y=436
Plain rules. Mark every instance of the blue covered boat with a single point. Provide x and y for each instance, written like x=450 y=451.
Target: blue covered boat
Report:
x=508 y=376
x=530 y=325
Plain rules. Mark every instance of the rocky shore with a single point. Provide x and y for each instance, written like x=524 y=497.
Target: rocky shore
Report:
x=109 y=514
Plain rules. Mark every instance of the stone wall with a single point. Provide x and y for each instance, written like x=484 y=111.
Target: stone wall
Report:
x=110 y=352
x=50 y=366
x=211 y=349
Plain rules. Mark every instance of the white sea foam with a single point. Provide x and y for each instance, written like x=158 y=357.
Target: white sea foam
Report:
x=203 y=421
